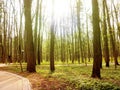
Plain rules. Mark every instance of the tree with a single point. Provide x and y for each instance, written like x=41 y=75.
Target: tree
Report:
x=88 y=39
x=29 y=37
x=52 y=67
x=79 y=30
x=5 y=32
x=20 y=37
x=96 y=40
x=117 y=19
x=62 y=33
x=36 y=28
x=52 y=41
x=40 y=36
x=112 y=39
x=105 y=38
x=0 y=31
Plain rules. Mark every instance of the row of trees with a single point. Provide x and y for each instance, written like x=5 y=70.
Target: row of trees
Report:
x=25 y=34
x=106 y=28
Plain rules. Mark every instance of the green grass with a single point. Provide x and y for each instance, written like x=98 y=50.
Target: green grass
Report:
x=79 y=76
x=58 y=62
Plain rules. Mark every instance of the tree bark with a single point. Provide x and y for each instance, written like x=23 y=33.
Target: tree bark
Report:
x=40 y=37
x=52 y=67
x=105 y=38
x=29 y=37
x=79 y=30
x=112 y=40
x=96 y=41
x=52 y=42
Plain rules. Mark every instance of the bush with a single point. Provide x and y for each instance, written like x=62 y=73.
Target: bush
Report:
x=95 y=86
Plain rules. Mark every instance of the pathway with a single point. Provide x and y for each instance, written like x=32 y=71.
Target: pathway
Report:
x=9 y=81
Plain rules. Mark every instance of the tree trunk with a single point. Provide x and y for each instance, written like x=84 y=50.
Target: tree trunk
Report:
x=96 y=41
x=4 y=46
x=0 y=42
x=117 y=19
x=105 y=38
x=52 y=41
x=88 y=39
x=40 y=37
x=79 y=30
x=112 y=40
x=52 y=67
x=29 y=37
x=35 y=30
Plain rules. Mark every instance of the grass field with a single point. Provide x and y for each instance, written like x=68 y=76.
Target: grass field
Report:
x=78 y=77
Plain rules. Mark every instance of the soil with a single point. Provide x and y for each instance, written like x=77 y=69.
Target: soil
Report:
x=39 y=82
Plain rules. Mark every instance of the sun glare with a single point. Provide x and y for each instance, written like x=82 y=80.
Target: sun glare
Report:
x=87 y=4
x=60 y=8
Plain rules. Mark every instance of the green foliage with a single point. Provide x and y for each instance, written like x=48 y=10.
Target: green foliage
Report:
x=95 y=86
x=79 y=77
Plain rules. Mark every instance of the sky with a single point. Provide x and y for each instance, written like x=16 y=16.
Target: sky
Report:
x=62 y=10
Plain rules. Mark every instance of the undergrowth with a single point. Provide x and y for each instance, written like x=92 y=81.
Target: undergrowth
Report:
x=79 y=77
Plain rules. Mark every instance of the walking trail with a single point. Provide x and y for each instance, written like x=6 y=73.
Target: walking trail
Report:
x=10 y=81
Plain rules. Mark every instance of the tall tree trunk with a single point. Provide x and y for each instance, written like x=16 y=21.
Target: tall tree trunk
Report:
x=4 y=46
x=20 y=32
x=105 y=38
x=0 y=41
x=117 y=19
x=40 y=36
x=88 y=39
x=96 y=41
x=62 y=45
x=35 y=30
x=79 y=29
x=29 y=37
x=1 y=49
x=111 y=36
x=72 y=46
x=52 y=41
x=114 y=36
x=52 y=67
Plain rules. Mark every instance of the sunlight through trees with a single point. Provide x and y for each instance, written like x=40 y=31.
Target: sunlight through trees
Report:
x=67 y=31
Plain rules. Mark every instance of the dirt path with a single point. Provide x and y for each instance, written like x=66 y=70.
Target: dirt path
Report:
x=38 y=82
x=9 y=81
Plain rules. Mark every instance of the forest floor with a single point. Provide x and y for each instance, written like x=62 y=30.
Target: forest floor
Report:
x=69 y=77
x=38 y=81
x=10 y=81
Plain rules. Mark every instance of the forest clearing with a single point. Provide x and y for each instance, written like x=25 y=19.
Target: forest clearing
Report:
x=61 y=44
x=68 y=77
